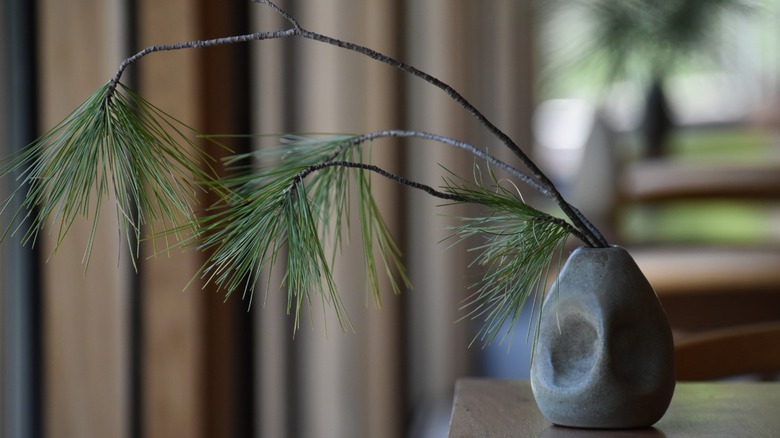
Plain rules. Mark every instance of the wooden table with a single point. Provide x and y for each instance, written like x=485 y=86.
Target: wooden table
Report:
x=506 y=408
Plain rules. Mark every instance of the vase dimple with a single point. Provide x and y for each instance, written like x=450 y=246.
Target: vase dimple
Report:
x=572 y=357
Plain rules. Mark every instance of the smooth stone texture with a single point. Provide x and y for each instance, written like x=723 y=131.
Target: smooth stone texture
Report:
x=605 y=355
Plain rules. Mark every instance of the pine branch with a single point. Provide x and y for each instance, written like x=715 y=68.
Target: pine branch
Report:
x=258 y=217
x=130 y=151
x=593 y=236
x=309 y=176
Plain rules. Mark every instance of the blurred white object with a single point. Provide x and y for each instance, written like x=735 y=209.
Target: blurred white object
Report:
x=576 y=147
x=561 y=127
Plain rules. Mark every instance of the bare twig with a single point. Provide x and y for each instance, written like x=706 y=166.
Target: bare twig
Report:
x=258 y=36
x=298 y=179
x=454 y=143
x=378 y=170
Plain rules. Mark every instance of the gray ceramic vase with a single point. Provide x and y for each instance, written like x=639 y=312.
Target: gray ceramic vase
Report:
x=605 y=356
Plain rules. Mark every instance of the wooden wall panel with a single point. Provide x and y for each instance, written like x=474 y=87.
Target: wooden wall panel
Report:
x=483 y=49
x=196 y=350
x=86 y=349
x=172 y=321
x=228 y=331
x=191 y=349
x=438 y=42
x=382 y=334
x=326 y=96
x=20 y=364
x=342 y=384
x=273 y=370
x=407 y=355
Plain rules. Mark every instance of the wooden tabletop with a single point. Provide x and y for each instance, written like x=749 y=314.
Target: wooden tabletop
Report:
x=506 y=408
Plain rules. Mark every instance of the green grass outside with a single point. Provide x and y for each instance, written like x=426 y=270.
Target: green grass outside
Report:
x=718 y=221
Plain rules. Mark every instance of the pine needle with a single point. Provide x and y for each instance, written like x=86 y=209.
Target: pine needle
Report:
x=120 y=148
x=281 y=203
x=518 y=246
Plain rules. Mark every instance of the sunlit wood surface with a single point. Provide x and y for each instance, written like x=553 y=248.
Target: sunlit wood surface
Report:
x=506 y=408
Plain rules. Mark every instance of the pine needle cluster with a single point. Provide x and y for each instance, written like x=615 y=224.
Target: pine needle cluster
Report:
x=114 y=147
x=286 y=204
x=518 y=244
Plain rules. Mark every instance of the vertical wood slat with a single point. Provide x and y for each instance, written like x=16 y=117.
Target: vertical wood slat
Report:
x=227 y=338
x=436 y=43
x=20 y=349
x=483 y=50
x=327 y=397
x=345 y=385
x=273 y=370
x=86 y=350
x=197 y=355
x=172 y=320
x=329 y=373
x=363 y=370
x=383 y=354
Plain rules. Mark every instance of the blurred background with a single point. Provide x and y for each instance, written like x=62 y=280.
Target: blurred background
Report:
x=640 y=131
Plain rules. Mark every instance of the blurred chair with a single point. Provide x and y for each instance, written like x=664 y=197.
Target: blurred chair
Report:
x=744 y=349
x=722 y=299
